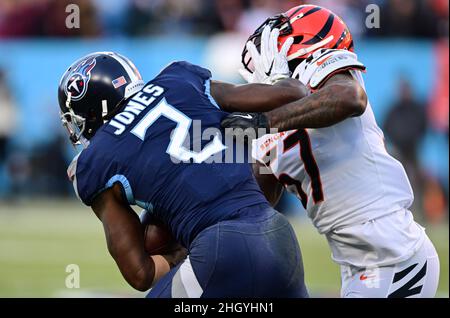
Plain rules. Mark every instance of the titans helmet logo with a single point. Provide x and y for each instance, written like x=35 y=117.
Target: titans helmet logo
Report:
x=78 y=80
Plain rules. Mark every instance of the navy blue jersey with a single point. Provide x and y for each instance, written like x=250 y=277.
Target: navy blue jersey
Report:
x=149 y=149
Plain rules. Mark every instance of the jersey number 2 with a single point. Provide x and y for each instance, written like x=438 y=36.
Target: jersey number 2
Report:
x=176 y=148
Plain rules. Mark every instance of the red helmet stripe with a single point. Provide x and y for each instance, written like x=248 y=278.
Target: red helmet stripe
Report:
x=341 y=38
x=297 y=10
x=313 y=10
x=312 y=28
x=323 y=32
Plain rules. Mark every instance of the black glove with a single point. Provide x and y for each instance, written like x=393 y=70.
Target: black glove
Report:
x=245 y=121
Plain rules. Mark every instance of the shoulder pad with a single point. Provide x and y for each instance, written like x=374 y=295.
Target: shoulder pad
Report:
x=176 y=66
x=323 y=64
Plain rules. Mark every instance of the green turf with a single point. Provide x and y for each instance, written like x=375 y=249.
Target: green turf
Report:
x=39 y=239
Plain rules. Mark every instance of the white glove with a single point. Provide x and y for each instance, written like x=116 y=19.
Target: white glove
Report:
x=271 y=65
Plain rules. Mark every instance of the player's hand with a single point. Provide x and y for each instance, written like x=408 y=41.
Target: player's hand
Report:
x=256 y=121
x=271 y=65
x=176 y=255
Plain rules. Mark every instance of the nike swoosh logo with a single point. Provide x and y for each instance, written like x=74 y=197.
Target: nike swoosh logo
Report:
x=248 y=116
x=323 y=61
x=363 y=277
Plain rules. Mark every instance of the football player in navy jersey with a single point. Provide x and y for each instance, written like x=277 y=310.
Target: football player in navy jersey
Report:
x=134 y=136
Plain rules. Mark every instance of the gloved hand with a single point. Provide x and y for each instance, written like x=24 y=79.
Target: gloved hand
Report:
x=270 y=65
x=246 y=120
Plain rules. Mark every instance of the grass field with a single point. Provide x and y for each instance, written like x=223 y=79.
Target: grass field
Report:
x=39 y=239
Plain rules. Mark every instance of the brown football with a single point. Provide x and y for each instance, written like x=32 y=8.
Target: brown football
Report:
x=157 y=237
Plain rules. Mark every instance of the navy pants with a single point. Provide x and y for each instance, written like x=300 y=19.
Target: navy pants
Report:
x=255 y=255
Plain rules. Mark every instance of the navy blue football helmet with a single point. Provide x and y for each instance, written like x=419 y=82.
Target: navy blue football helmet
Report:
x=93 y=90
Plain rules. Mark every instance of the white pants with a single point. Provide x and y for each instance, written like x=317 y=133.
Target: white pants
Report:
x=417 y=277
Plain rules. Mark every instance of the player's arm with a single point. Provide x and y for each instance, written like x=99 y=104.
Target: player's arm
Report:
x=273 y=69
x=125 y=240
x=256 y=97
x=268 y=183
x=339 y=98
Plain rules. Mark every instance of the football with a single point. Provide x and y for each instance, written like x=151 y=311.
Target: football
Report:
x=157 y=237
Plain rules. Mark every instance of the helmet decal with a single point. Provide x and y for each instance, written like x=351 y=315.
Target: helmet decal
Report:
x=78 y=80
x=118 y=82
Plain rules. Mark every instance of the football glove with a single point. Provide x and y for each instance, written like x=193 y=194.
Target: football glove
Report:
x=256 y=121
x=270 y=65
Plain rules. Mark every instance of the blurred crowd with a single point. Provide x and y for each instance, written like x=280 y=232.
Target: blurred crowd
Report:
x=405 y=128
x=46 y=18
x=39 y=172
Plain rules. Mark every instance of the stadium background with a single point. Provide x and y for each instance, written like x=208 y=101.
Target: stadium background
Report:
x=43 y=228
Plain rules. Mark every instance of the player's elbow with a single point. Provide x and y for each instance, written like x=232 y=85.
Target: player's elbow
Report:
x=140 y=286
x=354 y=98
x=140 y=280
x=358 y=101
x=136 y=273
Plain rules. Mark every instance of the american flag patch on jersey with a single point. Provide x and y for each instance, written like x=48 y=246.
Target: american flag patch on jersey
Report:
x=119 y=82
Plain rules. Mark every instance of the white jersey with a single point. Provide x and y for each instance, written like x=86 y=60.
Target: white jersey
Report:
x=342 y=174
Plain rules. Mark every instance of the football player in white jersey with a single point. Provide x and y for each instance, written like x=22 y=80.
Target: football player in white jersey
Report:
x=330 y=153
